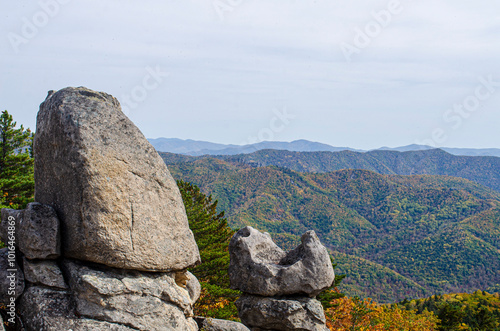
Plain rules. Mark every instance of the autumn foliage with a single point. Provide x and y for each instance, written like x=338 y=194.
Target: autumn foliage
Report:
x=351 y=314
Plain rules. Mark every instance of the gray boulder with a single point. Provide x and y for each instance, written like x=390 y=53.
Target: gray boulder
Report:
x=37 y=230
x=260 y=267
x=281 y=313
x=45 y=273
x=116 y=200
x=11 y=277
x=213 y=324
x=39 y=236
x=9 y=227
x=44 y=309
x=193 y=287
x=146 y=301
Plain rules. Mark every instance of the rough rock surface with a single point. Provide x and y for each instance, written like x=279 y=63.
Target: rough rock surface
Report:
x=260 y=267
x=10 y=217
x=213 y=324
x=9 y=279
x=116 y=200
x=146 y=301
x=44 y=309
x=45 y=273
x=193 y=287
x=37 y=230
x=281 y=313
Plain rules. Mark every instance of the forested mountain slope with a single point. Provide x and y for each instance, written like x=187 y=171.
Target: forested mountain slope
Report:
x=395 y=236
x=484 y=170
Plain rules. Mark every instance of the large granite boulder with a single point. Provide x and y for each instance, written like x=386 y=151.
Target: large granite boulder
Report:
x=260 y=267
x=146 y=301
x=36 y=230
x=282 y=313
x=116 y=200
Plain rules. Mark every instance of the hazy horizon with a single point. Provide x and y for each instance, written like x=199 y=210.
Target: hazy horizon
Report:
x=290 y=141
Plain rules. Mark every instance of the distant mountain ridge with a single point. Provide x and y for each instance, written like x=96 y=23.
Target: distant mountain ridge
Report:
x=197 y=147
x=188 y=147
x=454 y=151
x=484 y=170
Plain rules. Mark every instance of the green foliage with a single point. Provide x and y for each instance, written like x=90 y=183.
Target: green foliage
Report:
x=462 y=311
x=332 y=293
x=211 y=233
x=16 y=164
x=367 y=279
x=217 y=302
x=212 y=236
x=394 y=236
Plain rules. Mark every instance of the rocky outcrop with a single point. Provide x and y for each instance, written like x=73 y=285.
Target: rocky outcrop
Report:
x=260 y=267
x=107 y=243
x=108 y=185
x=279 y=288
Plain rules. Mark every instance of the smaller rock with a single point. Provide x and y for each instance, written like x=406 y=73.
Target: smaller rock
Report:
x=39 y=232
x=193 y=287
x=45 y=309
x=11 y=277
x=36 y=230
x=9 y=225
x=258 y=266
x=45 y=272
x=213 y=324
x=142 y=300
x=281 y=313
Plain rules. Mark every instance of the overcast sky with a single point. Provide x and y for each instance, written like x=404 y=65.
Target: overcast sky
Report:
x=362 y=74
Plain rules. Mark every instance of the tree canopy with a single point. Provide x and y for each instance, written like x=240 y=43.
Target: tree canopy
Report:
x=17 y=183
x=212 y=234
